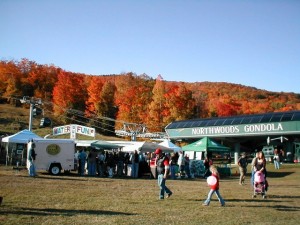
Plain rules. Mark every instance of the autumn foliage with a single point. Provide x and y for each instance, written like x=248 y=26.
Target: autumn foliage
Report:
x=105 y=100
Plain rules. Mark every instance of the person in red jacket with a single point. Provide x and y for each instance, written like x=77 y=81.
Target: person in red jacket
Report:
x=213 y=182
x=163 y=169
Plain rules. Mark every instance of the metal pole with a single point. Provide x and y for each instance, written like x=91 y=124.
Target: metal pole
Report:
x=30 y=116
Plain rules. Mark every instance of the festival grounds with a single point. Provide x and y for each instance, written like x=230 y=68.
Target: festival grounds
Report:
x=70 y=199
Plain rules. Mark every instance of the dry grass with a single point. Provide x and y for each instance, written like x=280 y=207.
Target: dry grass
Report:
x=69 y=199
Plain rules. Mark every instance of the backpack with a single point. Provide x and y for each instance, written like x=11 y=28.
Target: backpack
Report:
x=243 y=162
x=33 y=154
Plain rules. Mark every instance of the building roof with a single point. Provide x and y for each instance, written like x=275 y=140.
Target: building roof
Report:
x=237 y=120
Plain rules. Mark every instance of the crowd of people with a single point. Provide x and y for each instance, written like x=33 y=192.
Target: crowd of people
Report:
x=134 y=164
x=112 y=163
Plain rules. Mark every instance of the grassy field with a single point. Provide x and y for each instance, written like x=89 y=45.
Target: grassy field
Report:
x=69 y=199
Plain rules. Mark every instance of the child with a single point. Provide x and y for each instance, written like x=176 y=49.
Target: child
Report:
x=214 y=188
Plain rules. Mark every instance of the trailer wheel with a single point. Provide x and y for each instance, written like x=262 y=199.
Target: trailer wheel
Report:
x=55 y=169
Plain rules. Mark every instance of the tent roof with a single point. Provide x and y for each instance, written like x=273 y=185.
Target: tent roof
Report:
x=151 y=147
x=128 y=146
x=104 y=145
x=169 y=144
x=205 y=144
x=22 y=137
x=84 y=143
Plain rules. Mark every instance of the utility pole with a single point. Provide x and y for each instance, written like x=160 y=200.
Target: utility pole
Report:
x=33 y=102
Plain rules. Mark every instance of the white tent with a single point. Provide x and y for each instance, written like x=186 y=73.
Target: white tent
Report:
x=169 y=144
x=129 y=146
x=141 y=146
x=21 y=137
x=16 y=146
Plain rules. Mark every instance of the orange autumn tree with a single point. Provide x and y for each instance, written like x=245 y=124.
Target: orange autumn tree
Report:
x=42 y=79
x=107 y=108
x=156 y=107
x=132 y=98
x=26 y=67
x=124 y=97
x=10 y=79
x=101 y=104
x=179 y=104
x=93 y=90
x=224 y=109
x=69 y=94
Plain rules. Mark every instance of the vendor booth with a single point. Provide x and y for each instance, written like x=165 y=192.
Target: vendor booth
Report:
x=206 y=147
x=16 y=145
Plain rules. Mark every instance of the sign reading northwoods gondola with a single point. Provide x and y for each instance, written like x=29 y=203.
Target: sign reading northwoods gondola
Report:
x=74 y=129
x=287 y=127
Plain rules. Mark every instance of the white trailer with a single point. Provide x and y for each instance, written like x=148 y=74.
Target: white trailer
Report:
x=53 y=155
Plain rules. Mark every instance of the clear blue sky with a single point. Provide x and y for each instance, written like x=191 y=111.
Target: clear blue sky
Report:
x=253 y=42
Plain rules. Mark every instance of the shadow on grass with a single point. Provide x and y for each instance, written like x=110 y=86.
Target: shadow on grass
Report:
x=63 y=212
x=283 y=196
x=285 y=208
x=257 y=199
x=278 y=174
x=79 y=178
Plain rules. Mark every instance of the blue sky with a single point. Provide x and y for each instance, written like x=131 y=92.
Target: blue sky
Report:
x=253 y=42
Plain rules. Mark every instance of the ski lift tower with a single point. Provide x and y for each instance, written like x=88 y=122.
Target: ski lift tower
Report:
x=33 y=103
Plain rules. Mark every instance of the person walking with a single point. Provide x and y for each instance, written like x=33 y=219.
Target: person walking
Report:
x=242 y=162
x=214 y=187
x=276 y=159
x=163 y=169
x=252 y=168
x=260 y=166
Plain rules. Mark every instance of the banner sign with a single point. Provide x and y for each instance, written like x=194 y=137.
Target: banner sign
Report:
x=290 y=127
x=74 y=129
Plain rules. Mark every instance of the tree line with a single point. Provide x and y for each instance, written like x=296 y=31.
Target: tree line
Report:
x=101 y=100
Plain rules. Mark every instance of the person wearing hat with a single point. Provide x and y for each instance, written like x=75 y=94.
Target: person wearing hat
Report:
x=242 y=163
x=163 y=168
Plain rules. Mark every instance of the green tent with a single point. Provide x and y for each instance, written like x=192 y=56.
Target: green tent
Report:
x=205 y=145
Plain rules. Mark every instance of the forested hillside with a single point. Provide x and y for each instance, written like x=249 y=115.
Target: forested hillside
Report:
x=103 y=100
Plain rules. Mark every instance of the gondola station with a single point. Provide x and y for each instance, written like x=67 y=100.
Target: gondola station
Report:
x=245 y=133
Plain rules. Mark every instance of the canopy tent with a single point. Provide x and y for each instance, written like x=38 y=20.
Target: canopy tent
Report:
x=84 y=143
x=169 y=144
x=151 y=147
x=21 y=137
x=129 y=146
x=205 y=145
x=16 y=146
x=142 y=146
x=98 y=144
x=105 y=145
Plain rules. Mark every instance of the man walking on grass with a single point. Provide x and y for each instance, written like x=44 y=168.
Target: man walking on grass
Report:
x=163 y=169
